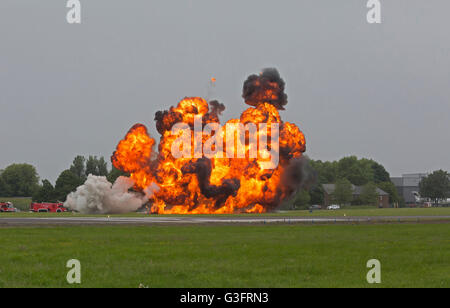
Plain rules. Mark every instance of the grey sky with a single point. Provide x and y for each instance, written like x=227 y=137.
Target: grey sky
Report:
x=376 y=91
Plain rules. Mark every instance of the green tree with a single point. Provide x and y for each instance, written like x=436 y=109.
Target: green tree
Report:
x=343 y=192
x=20 y=180
x=114 y=174
x=390 y=188
x=380 y=175
x=317 y=195
x=45 y=193
x=96 y=166
x=302 y=199
x=327 y=171
x=66 y=183
x=78 y=167
x=5 y=191
x=358 y=172
x=91 y=165
x=102 y=167
x=436 y=186
x=369 y=194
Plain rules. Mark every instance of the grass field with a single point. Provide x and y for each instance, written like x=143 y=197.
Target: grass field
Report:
x=412 y=255
x=349 y=212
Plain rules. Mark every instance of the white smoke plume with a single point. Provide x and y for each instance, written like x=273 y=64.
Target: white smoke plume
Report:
x=98 y=196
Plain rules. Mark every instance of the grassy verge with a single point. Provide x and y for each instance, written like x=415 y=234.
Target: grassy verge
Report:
x=323 y=213
x=376 y=212
x=237 y=256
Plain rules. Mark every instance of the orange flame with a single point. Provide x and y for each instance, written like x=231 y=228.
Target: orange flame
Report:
x=209 y=186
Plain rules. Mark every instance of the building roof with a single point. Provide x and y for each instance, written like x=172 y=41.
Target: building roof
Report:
x=409 y=180
x=398 y=181
x=357 y=190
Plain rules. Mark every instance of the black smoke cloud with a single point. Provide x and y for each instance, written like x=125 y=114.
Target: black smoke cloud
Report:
x=299 y=174
x=165 y=120
x=216 y=107
x=203 y=168
x=267 y=87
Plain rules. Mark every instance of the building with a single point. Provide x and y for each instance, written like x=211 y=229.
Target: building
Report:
x=408 y=186
x=357 y=190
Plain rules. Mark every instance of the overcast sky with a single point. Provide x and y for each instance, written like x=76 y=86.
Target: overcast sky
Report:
x=375 y=91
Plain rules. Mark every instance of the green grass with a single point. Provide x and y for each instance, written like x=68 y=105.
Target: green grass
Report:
x=412 y=255
x=349 y=212
x=376 y=212
x=22 y=204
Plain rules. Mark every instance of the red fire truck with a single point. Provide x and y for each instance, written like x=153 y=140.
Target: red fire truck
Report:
x=7 y=207
x=47 y=208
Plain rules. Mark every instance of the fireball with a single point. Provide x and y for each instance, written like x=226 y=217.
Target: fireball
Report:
x=236 y=178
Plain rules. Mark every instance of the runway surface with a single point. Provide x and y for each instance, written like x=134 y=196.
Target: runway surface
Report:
x=190 y=220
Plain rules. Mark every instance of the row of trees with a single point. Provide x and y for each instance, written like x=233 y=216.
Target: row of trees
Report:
x=76 y=175
x=345 y=172
x=370 y=175
x=358 y=171
x=343 y=193
x=22 y=180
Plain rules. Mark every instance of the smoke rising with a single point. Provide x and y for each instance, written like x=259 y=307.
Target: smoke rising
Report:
x=98 y=196
x=218 y=185
x=266 y=87
x=203 y=168
x=216 y=107
x=299 y=174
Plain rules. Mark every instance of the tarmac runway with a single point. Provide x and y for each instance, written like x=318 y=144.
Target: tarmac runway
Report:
x=196 y=220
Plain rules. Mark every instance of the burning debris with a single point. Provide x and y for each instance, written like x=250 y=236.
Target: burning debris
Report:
x=219 y=183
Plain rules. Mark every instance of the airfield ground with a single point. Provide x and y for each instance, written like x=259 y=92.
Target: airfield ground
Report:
x=346 y=212
x=412 y=255
x=413 y=252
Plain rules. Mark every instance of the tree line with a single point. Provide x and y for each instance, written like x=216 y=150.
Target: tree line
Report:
x=22 y=180
x=344 y=173
x=370 y=175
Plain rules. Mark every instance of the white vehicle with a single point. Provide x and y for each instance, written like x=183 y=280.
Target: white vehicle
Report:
x=334 y=207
